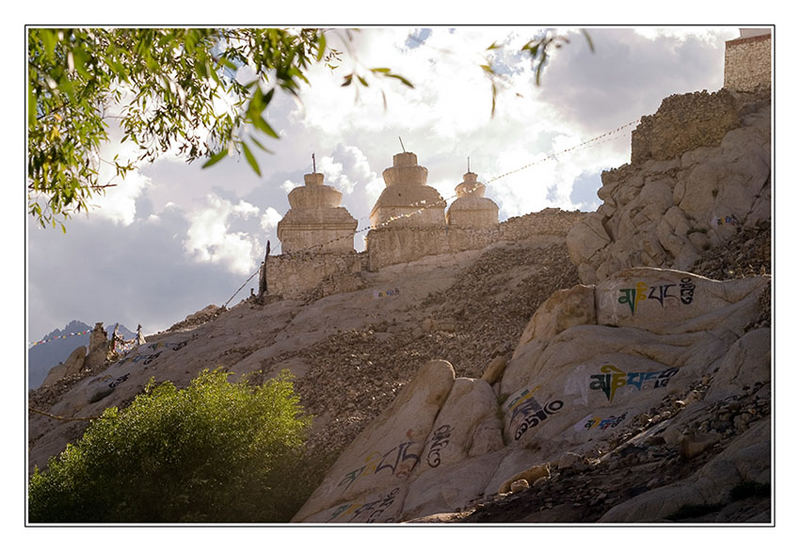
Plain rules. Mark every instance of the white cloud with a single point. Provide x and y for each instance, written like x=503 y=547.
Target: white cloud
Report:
x=210 y=241
x=117 y=202
x=444 y=119
x=345 y=168
x=708 y=34
x=288 y=186
x=373 y=189
x=270 y=219
x=246 y=210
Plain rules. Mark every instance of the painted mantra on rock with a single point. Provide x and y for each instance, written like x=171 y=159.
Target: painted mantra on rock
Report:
x=531 y=412
x=376 y=508
x=728 y=219
x=441 y=438
x=604 y=424
x=387 y=293
x=375 y=462
x=612 y=378
x=633 y=296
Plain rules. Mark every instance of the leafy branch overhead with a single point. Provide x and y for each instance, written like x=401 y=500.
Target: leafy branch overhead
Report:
x=167 y=89
x=539 y=50
x=198 y=92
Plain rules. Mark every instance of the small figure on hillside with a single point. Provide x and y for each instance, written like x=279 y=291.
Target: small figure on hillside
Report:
x=263 y=289
x=139 y=336
x=113 y=349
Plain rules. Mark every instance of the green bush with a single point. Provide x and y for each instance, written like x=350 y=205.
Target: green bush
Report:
x=213 y=452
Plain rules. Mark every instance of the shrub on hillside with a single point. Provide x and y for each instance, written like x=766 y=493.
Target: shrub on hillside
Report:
x=213 y=452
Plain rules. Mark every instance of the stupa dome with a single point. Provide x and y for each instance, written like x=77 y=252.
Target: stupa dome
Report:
x=315 y=220
x=471 y=209
x=407 y=200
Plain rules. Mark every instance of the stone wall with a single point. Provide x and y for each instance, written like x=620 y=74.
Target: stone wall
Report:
x=748 y=63
x=388 y=246
x=293 y=276
x=309 y=275
x=682 y=123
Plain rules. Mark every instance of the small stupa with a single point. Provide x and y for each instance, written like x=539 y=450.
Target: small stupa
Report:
x=315 y=220
x=406 y=200
x=471 y=209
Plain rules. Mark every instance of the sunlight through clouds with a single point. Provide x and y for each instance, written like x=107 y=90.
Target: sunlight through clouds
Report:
x=215 y=222
x=209 y=240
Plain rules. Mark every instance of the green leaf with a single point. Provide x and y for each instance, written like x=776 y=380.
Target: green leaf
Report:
x=362 y=80
x=588 y=39
x=216 y=158
x=321 y=46
x=266 y=98
x=260 y=145
x=261 y=124
x=31 y=106
x=49 y=39
x=401 y=79
x=225 y=62
x=80 y=57
x=380 y=70
x=251 y=159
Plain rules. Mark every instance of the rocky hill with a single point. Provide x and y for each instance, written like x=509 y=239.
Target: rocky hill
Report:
x=622 y=374
x=57 y=346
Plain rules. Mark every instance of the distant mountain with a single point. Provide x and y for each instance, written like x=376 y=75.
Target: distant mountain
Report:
x=42 y=357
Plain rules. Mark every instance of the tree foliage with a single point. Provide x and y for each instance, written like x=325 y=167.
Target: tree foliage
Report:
x=213 y=452
x=177 y=89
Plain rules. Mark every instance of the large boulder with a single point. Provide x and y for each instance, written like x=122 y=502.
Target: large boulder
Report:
x=98 y=347
x=670 y=301
x=593 y=362
x=383 y=455
x=56 y=373
x=73 y=365
x=562 y=310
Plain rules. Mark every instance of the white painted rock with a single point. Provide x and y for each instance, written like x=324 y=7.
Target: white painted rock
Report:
x=467 y=422
x=452 y=488
x=671 y=301
x=379 y=506
x=383 y=456
x=562 y=310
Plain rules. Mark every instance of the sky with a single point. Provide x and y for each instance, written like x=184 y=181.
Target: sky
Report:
x=172 y=238
x=152 y=254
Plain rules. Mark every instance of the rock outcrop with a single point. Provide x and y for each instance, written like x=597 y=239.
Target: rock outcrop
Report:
x=688 y=189
x=98 y=348
x=70 y=367
x=593 y=361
